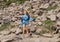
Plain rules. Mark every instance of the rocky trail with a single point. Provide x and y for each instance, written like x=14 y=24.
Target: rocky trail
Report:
x=25 y=38
x=16 y=36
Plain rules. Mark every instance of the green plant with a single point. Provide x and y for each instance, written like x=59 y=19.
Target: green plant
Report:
x=52 y=7
x=43 y=32
x=20 y=1
x=33 y=17
x=48 y=22
x=4 y=26
x=6 y=3
x=48 y=25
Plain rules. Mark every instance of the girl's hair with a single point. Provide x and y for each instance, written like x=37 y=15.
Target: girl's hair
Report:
x=28 y=15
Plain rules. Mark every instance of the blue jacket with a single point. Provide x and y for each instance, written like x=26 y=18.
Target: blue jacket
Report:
x=25 y=19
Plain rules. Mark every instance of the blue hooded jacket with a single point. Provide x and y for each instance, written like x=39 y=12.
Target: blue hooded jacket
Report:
x=25 y=19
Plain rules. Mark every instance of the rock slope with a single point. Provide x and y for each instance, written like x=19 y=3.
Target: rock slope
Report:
x=47 y=21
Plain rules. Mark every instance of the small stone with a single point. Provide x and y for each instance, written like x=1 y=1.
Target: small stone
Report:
x=58 y=23
x=33 y=9
x=43 y=17
x=34 y=0
x=35 y=36
x=13 y=4
x=47 y=35
x=59 y=30
x=13 y=19
x=39 y=23
x=58 y=15
x=32 y=29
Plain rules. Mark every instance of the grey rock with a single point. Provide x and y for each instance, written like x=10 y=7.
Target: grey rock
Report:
x=13 y=30
x=37 y=12
x=13 y=19
x=5 y=32
x=43 y=17
x=40 y=23
x=13 y=4
x=18 y=31
x=38 y=31
x=58 y=15
x=6 y=19
x=8 y=38
x=47 y=35
x=32 y=29
x=35 y=36
x=52 y=17
x=58 y=22
x=44 y=6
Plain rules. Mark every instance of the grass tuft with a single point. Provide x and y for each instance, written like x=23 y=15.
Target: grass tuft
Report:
x=4 y=26
x=48 y=22
x=48 y=25
x=52 y=7
x=6 y=3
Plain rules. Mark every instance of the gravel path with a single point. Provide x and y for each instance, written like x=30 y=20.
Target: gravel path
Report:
x=40 y=39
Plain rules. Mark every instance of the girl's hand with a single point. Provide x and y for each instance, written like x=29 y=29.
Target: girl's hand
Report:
x=34 y=19
x=27 y=10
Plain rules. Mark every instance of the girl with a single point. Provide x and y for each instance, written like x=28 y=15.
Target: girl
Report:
x=25 y=20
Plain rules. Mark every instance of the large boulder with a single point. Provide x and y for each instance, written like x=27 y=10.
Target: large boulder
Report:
x=5 y=32
x=34 y=0
x=8 y=38
x=17 y=31
x=52 y=17
x=6 y=19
